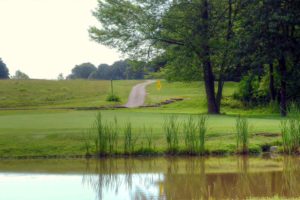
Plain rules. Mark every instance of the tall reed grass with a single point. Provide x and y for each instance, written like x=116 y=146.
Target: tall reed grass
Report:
x=290 y=129
x=101 y=139
x=149 y=138
x=242 y=134
x=129 y=139
x=202 y=128
x=171 y=128
x=106 y=137
x=190 y=135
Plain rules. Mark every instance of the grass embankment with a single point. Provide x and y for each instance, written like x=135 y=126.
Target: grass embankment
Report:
x=60 y=94
x=34 y=133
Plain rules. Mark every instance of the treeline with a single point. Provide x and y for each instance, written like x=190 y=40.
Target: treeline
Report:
x=4 y=73
x=212 y=40
x=120 y=70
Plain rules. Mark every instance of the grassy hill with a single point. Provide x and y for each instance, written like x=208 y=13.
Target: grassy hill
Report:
x=54 y=94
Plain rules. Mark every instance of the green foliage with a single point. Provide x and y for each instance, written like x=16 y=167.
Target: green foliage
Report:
x=242 y=135
x=250 y=91
x=120 y=70
x=113 y=98
x=4 y=72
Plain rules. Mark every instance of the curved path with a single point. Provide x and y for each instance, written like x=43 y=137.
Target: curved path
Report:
x=138 y=94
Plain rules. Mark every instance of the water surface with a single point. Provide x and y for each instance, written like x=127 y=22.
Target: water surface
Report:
x=150 y=178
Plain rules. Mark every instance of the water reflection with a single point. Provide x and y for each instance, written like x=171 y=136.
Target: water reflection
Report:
x=160 y=178
x=197 y=178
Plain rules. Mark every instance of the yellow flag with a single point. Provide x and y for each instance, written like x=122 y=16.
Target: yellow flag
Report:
x=158 y=85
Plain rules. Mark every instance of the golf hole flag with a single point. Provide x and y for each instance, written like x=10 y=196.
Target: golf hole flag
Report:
x=158 y=85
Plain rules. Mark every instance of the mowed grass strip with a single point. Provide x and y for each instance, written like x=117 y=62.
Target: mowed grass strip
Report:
x=65 y=93
x=61 y=133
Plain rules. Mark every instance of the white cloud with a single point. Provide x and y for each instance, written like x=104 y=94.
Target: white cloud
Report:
x=46 y=37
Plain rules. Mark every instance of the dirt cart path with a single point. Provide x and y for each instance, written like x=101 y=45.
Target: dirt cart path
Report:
x=138 y=94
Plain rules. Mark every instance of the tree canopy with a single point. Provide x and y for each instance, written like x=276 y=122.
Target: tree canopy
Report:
x=82 y=71
x=4 y=72
x=119 y=70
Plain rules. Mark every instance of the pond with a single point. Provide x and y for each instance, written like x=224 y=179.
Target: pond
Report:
x=151 y=178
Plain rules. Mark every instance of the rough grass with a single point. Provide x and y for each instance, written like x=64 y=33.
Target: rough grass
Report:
x=66 y=93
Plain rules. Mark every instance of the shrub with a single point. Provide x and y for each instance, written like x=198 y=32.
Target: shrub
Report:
x=113 y=98
x=251 y=91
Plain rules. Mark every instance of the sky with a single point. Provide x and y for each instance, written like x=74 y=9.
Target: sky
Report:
x=43 y=38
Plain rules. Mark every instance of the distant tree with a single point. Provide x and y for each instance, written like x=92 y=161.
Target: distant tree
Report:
x=82 y=71
x=4 y=72
x=103 y=73
x=60 y=77
x=118 y=70
x=20 y=76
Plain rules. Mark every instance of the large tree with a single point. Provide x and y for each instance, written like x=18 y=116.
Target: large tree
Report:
x=194 y=30
x=4 y=73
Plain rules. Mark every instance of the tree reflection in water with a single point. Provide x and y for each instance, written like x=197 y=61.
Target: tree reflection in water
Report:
x=195 y=178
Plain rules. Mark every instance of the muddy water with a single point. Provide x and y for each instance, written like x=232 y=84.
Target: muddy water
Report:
x=145 y=178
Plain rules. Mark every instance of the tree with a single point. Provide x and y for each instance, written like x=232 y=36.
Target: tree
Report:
x=103 y=73
x=194 y=30
x=82 y=71
x=20 y=76
x=271 y=36
x=60 y=77
x=4 y=72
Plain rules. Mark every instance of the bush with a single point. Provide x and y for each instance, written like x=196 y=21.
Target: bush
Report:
x=113 y=98
x=251 y=91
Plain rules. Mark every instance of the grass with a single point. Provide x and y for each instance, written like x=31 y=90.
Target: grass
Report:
x=55 y=94
x=51 y=132
x=59 y=133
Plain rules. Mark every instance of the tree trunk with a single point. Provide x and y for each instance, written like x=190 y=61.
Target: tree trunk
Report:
x=271 y=84
x=283 y=104
x=206 y=62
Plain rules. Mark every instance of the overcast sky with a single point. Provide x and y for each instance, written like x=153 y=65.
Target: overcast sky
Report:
x=46 y=37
